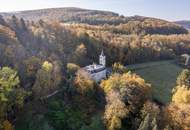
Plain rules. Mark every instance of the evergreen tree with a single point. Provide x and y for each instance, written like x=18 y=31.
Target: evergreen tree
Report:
x=2 y=21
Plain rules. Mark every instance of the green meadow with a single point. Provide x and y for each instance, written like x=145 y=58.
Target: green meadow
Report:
x=161 y=75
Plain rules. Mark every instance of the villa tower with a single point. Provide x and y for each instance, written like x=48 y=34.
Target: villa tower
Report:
x=102 y=59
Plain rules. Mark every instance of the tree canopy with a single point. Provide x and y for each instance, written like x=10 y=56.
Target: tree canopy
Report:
x=11 y=95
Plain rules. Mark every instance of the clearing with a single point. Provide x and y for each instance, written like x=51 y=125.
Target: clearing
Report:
x=161 y=75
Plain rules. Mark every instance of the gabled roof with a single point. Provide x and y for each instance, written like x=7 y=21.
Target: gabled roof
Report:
x=94 y=68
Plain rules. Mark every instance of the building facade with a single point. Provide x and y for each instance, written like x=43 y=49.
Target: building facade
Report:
x=97 y=71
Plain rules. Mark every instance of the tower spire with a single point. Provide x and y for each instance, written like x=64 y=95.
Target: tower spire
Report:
x=102 y=52
x=102 y=59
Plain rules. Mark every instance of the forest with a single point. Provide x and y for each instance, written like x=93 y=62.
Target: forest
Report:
x=42 y=87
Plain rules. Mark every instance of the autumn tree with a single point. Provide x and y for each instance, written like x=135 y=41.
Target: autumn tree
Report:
x=57 y=75
x=133 y=89
x=184 y=78
x=177 y=112
x=47 y=80
x=80 y=54
x=145 y=124
x=43 y=80
x=72 y=69
x=167 y=128
x=178 y=116
x=84 y=84
x=115 y=111
x=11 y=95
x=31 y=66
x=119 y=68
x=150 y=115
x=7 y=125
x=181 y=95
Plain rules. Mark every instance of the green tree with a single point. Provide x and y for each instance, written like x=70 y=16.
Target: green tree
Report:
x=66 y=119
x=8 y=80
x=10 y=93
x=96 y=124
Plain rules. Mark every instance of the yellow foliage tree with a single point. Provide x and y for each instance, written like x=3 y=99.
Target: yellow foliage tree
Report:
x=84 y=84
x=7 y=125
x=119 y=68
x=181 y=95
x=127 y=80
x=115 y=111
x=124 y=93
x=10 y=92
x=178 y=112
x=72 y=69
x=47 y=66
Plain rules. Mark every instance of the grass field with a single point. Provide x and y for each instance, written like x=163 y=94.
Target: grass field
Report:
x=162 y=75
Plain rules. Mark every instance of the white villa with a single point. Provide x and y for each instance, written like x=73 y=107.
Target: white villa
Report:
x=97 y=71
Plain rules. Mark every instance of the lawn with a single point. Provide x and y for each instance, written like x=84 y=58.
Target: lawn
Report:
x=161 y=75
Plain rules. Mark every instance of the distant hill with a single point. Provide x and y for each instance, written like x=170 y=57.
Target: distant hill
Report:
x=139 y=24
x=185 y=23
x=75 y=15
x=69 y=14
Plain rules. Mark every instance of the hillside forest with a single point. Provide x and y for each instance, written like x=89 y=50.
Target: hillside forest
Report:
x=42 y=87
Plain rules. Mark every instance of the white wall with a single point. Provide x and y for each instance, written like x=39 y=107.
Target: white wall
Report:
x=99 y=76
